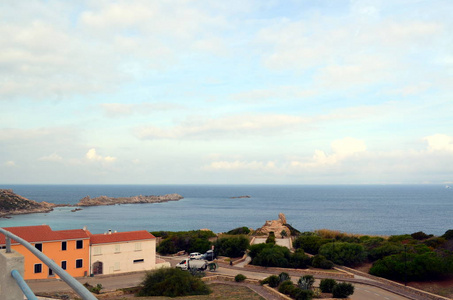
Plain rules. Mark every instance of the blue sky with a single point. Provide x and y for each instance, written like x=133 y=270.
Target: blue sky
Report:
x=226 y=92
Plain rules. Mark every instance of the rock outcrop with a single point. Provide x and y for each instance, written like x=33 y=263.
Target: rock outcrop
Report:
x=277 y=226
x=104 y=200
x=13 y=204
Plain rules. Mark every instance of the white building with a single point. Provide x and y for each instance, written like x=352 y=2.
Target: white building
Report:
x=121 y=252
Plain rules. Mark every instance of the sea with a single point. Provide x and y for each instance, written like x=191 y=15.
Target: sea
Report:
x=360 y=209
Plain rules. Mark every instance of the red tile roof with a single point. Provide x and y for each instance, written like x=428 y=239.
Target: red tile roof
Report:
x=116 y=237
x=43 y=233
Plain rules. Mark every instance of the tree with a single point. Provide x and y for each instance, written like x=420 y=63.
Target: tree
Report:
x=309 y=243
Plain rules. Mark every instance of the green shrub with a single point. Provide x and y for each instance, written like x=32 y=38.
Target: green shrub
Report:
x=400 y=238
x=420 y=235
x=232 y=246
x=299 y=260
x=348 y=254
x=448 y=235
x=171 y=282
x=309 y=243
x=271 y=238
x=190 y=241
x=306 y=282
x=240 y=278
x=327 y=285
x=239 y=230
x=342 y=290
x=286 y=287
x=283 y=276
x=270 y=256
x=303 y=294
x=319 y=261
x=94 y=289
x=273 y=281
x=385 y=249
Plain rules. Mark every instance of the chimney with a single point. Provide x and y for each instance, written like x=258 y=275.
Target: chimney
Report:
x=110 y=231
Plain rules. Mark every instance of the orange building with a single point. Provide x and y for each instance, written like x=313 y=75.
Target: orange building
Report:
x=68 y=248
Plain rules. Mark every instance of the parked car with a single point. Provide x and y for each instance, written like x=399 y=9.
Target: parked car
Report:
x=187 y=264
x=195 y=255
x=209 y=255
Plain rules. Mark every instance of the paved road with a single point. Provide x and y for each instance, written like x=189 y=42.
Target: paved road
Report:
x=110 y=283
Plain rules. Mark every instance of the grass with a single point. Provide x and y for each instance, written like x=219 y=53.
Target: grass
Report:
x=219 y=291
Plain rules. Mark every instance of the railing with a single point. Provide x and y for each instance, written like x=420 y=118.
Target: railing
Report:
x=74 y=284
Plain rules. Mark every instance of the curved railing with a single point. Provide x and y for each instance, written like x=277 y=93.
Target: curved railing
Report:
x=74 y=284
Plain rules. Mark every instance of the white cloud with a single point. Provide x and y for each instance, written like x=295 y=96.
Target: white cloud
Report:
x=240 y=125
x=52 y=157
x=440 y=142
x=91 y=155
x=10 y=163
x=126 y=109
x=241 y=165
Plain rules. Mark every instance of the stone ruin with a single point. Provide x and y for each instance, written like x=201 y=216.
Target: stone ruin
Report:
x=277 y=226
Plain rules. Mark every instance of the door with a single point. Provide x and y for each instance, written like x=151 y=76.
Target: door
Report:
x=97 y=268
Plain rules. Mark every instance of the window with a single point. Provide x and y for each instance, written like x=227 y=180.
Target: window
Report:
x=138 y=246
x=51 y=272
x=79 y=244
x=38 y=268
x=97 y=251
x=136 y=261
x=64 y=246
x=63 y=264
x=79 y=263
x=39 y=247
x=117 y=248
x=117 y=266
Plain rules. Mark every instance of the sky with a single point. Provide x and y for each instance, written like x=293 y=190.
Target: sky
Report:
x=226 y=92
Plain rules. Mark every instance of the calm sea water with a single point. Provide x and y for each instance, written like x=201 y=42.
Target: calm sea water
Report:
x=373 y=209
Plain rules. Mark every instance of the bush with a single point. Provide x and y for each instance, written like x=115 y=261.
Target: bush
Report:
x=273 y=281
x=309 y=243
x=239 y=278
x=343 y=290
x=327 y=285
x=319 y=261
x=306 y=282
x=190 y=241
x=420 y=235
x=286 y=287
x=283 y=276
x=271 y=238
x=270 y=256
x=171 y=282
x=299 y=260
x=94 y=289
x=239 y=230
x=448 y=235
x=303 y=294
x=233 y=246
x=385 y=249
x=348 y=254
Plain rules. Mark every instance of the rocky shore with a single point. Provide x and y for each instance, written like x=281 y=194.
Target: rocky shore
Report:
x=13 y=204
x=104 y=200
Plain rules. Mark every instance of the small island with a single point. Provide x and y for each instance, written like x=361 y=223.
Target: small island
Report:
x=240 y=197
x=104 y=200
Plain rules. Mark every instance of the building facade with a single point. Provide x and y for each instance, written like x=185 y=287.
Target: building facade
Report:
x=68 y=248
x=81 y=253
x=122 y=252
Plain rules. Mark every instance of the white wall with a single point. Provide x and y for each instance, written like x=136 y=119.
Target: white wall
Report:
x=119 y=257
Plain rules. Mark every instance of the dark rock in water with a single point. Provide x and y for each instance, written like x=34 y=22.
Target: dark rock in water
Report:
x=240 y=197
